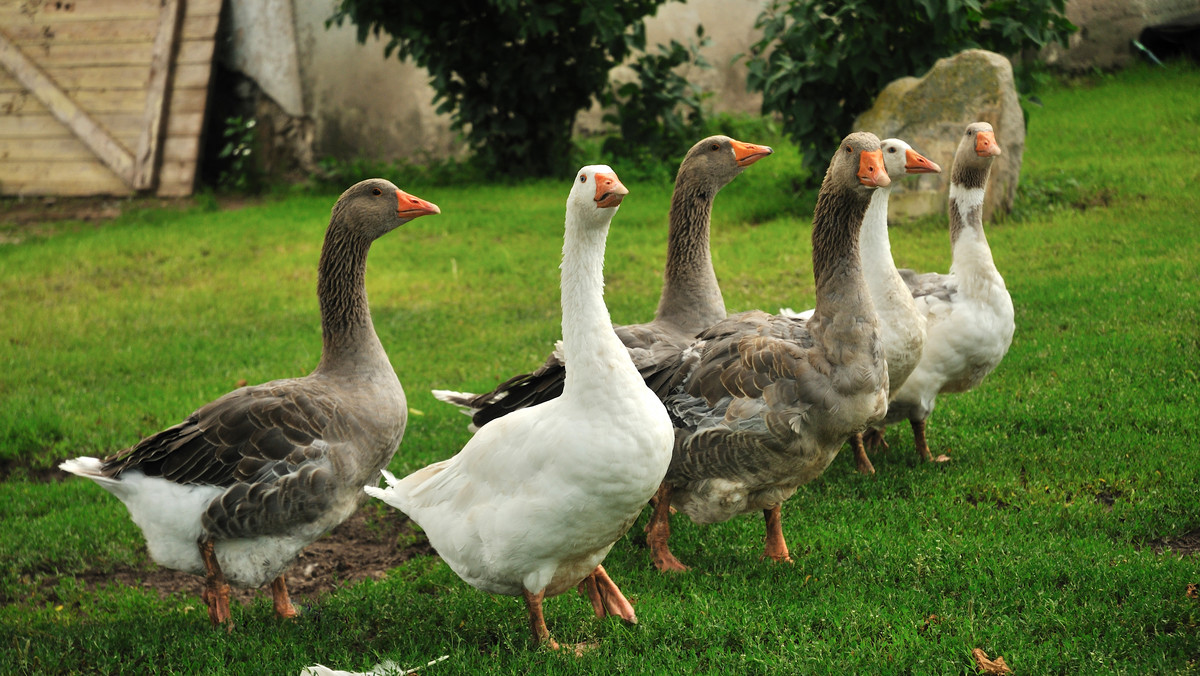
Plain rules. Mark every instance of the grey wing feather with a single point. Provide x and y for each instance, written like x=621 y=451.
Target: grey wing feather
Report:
x=264 y=443
x=745 y=399
x=652 y=349
x=940 y=286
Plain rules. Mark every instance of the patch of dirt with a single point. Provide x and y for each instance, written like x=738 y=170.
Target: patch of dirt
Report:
x=1108 y=498
x=1186 y=544
x=365 y=546
x=11 y=470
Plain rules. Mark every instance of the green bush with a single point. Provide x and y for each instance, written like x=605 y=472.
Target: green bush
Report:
x=659 y=115
x=820 y=63
x=512 y=74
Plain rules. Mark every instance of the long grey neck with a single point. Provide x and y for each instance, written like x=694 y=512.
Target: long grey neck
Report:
x=841 y=288
x=691 y=296
x=347 y=333
x=590 y=345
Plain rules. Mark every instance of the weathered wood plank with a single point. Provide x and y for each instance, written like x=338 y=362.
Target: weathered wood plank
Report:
x=91 y=11
x=112 y=53
x=72 y=178
x=177 y=178
x=70 y=148
x=120 y=30
x=100 y=104
x=78 y=78
x=78 y=11
x=122 y=127
x=112 y=153
x=146 y=155
x=99 y=52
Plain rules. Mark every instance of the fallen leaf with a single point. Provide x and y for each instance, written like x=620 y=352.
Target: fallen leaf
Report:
x=1193 y=591
x=942 y=458
x=995 y=667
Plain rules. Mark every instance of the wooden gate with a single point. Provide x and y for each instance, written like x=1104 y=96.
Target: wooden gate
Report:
x=103 y=96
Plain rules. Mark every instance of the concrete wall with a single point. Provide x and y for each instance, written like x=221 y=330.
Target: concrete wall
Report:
x=1106 y=28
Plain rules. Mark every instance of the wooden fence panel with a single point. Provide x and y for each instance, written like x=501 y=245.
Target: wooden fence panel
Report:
x=104 y=96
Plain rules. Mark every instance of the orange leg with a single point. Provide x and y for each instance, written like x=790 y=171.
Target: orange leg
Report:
x=606 y=596
x=216 y=590
x=918 y=428
x=874 y=439
x=658 y=531
x=860 y=455
x=279 y=594
x=776 y=548
x=537 y=621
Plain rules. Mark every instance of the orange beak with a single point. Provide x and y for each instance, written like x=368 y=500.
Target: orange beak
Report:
x=985 y=144
x=609 y=191
x=870 y=170
x=916 y=163
x=749 y=153
x=411 y=206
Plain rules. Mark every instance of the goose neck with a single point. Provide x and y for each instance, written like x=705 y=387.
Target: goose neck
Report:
x=969 y=246
x=875 y=245
x=837 y=267
x=347 y=333
x=691 y=296
x=589 y=341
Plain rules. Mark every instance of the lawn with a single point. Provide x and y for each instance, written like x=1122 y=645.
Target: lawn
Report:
x=1054 y=536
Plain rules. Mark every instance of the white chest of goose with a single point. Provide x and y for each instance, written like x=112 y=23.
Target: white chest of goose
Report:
x=237 y=490
x=535 y=500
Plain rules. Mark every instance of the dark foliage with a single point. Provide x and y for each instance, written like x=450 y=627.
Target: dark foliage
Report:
x=820 y=63
x=659 y=115
x=512 y=74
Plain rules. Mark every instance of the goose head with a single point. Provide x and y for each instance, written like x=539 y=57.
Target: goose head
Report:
x=375 y=207
x=973 y=159
x=858 y=164
x=596 y=195
x=900 y=159
x=715 y=161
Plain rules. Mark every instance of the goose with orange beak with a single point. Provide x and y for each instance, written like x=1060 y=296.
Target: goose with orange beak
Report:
x=969 y=312
x=763 y=403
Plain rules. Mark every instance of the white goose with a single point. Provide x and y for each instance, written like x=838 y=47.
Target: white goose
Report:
x=691 y=297
x=765 y=402
x=901 y=325
x=535 y=500
x=239 y=488
x=969 y=311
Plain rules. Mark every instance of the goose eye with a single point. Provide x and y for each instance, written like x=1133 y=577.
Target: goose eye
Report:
x=582 y=178
x=376 y=191
x=848 y=150
x=892 y=150
x=714 y=147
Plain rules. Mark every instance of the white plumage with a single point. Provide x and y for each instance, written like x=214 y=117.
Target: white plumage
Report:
x=535 y=500
x=969 y=312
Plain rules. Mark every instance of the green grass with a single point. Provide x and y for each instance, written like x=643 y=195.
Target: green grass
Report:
x=1034 y=543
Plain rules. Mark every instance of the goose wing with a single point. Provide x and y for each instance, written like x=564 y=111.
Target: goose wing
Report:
x=268 y=445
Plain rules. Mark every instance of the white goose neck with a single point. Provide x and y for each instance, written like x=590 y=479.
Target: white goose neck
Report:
x=590 y=346
x=972 y=257
x=875 y=247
